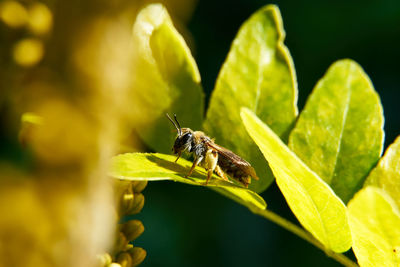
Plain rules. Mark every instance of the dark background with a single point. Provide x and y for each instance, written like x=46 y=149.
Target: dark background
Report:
x=192 y=226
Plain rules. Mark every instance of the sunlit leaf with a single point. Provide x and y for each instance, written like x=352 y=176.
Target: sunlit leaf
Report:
x=386 y=174
x=166 y=79
x=259 y=74
x=375 y=225
x=313 y=202
x=156 y=167
x=339 y=134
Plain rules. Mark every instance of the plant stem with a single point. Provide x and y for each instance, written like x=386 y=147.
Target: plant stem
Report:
x=304 y=235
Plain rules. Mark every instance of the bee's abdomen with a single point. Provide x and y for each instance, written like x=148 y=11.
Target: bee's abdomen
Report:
x=238 y=172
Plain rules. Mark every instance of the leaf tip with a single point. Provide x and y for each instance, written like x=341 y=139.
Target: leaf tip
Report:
x=150 y=17
x=245 y=112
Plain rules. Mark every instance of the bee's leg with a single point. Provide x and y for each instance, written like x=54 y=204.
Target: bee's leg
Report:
x=245 y=181
x=211 y=163
x=179 y=155
x=221 y=173
x=195 y=163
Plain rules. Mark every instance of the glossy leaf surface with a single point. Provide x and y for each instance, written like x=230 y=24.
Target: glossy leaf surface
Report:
x=156 y=167
x=339 y=134
x=259 y=74
x=375 y=226
x=386 y=174
x=166 y=79
x=313 y=202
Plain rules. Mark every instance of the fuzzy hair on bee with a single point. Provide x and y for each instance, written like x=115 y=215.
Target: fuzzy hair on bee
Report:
x=212 y=157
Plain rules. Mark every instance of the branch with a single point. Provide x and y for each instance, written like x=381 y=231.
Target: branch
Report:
x=300 y=232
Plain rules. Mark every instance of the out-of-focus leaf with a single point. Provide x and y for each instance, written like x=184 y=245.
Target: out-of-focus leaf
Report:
x=339 y=134
x=166 y=79
x=313 y=202
x=156 y=167
x=375 y=225
x=259 y=74
x=386 y=174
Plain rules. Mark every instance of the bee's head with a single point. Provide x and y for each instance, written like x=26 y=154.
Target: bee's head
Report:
x=184 y=139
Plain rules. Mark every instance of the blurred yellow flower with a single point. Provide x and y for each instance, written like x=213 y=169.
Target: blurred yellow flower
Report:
x=13 y=14
x=28 y=52
x=57 y=204
x=40 y=18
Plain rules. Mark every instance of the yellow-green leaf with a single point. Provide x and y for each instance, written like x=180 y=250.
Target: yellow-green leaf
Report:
x=259 y=74
x=375 y=225
x=313 y=202
x=166 y=79
x=156 y=167
x=386 y=174
x=339 y=134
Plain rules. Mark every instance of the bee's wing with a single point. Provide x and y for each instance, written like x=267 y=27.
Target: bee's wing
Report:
x=228 y=158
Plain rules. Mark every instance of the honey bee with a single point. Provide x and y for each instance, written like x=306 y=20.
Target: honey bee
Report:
x=211 y=156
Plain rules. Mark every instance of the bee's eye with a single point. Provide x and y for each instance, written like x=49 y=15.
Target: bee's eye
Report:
x=186 y=138
x=183 y=140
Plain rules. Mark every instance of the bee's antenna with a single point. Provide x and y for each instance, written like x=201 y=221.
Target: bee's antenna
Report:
x=177 y=128
x=177 y=122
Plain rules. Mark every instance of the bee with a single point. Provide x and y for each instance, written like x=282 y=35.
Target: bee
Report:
x=211 y=156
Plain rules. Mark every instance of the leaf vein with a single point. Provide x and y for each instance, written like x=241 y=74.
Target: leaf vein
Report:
x=345 y=116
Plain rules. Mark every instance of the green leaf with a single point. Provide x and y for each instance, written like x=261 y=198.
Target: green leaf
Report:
x=156 y=167
x=375 y=225
x=339 y=134
x=259 y=74
x=313 y=202
x=166 y=79
x=386 y=174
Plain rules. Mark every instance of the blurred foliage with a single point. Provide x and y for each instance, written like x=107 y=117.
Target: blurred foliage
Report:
x=69 y=65
x=13 y=14
x=130 y=202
